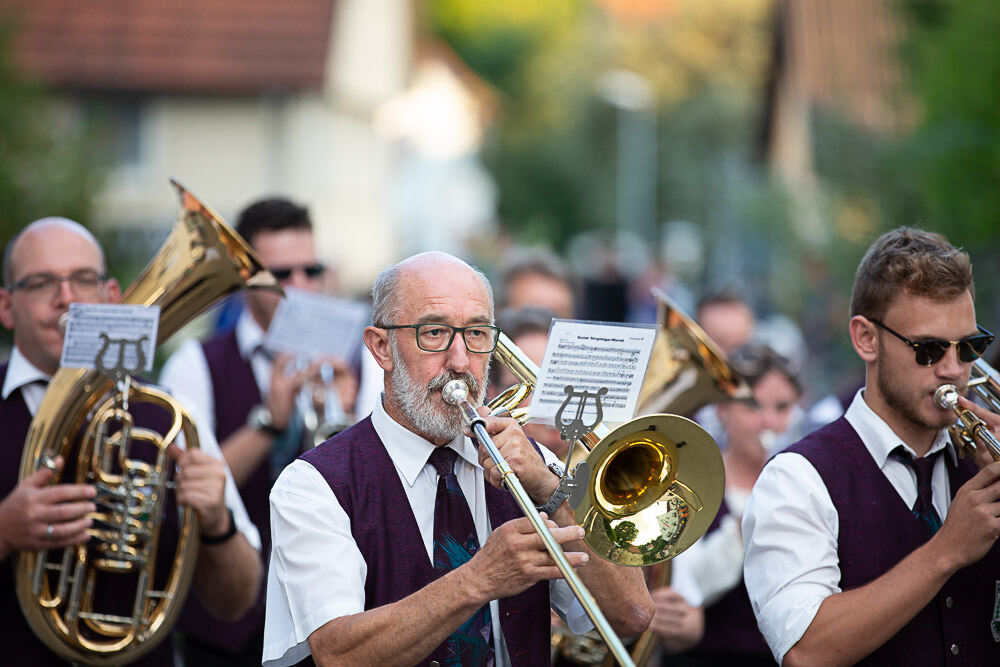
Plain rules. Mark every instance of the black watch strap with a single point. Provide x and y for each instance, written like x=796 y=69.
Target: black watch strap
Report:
x=222 y=537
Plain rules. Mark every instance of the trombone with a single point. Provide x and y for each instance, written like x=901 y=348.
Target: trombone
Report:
x=650 y=488
x=456 y=393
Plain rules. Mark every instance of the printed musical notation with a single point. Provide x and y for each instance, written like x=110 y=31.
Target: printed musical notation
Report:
x=311 y=325
x=110 y=335
x=591 y=355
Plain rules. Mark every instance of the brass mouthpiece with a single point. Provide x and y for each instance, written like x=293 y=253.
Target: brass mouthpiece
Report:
x=455 y=392
x=946 y=397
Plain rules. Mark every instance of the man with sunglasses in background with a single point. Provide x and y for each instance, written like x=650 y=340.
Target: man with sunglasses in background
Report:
x=248 y=393
x=871 y=540
x=376 y=557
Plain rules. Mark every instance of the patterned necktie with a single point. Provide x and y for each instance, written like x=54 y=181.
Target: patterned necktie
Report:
x=923 y=508
x=455 y=542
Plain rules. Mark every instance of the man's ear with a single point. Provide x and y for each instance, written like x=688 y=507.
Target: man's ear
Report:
x=864 y=338
x=6 y=314
x=113 y=290
x=377 y=342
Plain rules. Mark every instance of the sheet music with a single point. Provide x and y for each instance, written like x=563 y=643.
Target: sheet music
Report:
x=309 y=325
x=121 y=334
x=589 y=356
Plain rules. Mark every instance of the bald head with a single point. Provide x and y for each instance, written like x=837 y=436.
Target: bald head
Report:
x=39 y=232
x=426 y=266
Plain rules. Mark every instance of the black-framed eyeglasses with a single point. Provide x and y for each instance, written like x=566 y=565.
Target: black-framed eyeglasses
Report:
x=435 y=337
x=85 y=283
x=929 y=352
x=283 y=273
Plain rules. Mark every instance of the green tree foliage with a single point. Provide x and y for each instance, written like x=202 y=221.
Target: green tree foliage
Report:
x=950 y=164
x=553 y=149
x=45 y=167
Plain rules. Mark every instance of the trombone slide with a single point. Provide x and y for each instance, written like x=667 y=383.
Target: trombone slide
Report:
x=455 y=393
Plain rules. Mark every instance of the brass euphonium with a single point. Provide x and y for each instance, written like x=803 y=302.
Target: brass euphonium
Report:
x=82 y=419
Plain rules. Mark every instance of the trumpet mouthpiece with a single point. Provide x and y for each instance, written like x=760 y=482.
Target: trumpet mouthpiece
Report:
x=454 y=392
x=946 y=396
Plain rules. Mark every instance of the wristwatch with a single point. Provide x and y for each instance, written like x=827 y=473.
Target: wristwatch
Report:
x=221 y=537
x=260 y=419
x=558 y=496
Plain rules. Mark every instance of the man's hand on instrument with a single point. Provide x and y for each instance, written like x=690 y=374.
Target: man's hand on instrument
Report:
x=521 y=456
x=285 y=385
x=37 y=515
x=983 y=455
x=201 y=484
x=973 y=521
x=678 y=625
x=514 y=557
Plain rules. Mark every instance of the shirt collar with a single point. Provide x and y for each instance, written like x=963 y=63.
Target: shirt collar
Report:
x=409 y=451
x=879 y=438
x=21 y=372
x=249 y=335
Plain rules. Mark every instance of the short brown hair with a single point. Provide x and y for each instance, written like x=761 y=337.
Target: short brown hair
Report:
x=912 y=261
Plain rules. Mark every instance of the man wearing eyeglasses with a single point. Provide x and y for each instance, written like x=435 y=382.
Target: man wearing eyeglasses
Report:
x=249 y=394
x=50 y=264
x=871 y=540
x=376 y=557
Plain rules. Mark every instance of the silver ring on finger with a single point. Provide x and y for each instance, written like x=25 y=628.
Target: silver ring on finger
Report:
x=49 y=530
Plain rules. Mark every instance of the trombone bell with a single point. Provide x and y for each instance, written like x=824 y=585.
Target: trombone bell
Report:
x=640 y=506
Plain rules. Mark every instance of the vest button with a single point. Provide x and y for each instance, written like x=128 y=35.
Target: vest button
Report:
x=949 y=602
x=954 y=649
x=435 y=663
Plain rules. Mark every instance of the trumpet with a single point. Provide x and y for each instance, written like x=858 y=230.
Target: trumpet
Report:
x=319 y=403
x=970 y=430
x=456 y=393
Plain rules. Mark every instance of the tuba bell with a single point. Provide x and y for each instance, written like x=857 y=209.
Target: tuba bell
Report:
x=86 y=418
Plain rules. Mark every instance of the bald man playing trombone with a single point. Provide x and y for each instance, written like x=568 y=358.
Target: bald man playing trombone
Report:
x=394 y=542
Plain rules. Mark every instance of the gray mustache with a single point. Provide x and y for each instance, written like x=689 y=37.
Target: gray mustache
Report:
x=438 y=383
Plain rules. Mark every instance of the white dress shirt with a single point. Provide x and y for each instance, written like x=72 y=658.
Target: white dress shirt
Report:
x=186 y=372
x=317 y=572
x=23 y=375
x=790 y=528
x=716 y=560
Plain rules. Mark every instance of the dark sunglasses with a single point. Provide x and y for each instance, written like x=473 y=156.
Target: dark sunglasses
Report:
x=283 y=273
x=929 y=352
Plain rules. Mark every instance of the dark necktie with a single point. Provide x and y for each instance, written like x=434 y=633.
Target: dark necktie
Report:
x=923 y=509
x=455 y=542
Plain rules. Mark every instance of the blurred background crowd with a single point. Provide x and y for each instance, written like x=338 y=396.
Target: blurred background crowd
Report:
x=747 y=148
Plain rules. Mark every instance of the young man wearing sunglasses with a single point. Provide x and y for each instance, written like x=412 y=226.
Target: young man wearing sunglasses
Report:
x=870 y=540
x=249 y=396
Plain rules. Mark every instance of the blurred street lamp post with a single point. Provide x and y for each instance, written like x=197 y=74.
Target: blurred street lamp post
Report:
x=636 y=173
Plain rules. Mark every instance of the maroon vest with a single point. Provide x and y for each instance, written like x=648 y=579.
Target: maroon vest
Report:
x=19 y=645
x=877 y=530
x=731 y=632
x=358 y=469
x=235 y=391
